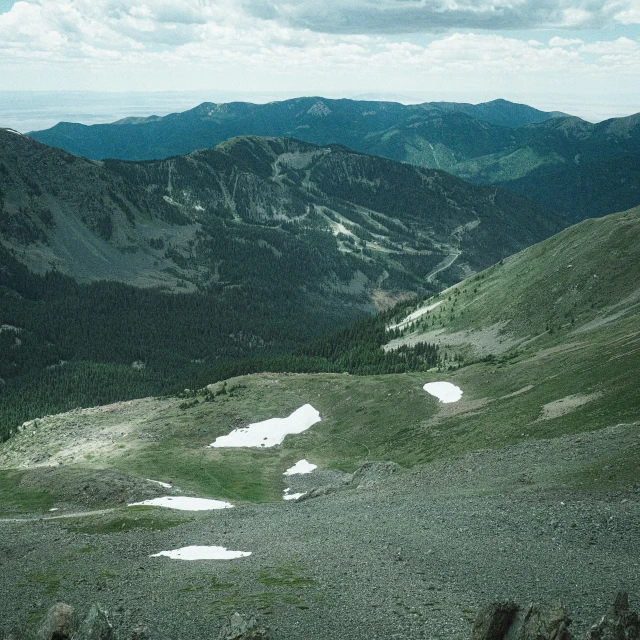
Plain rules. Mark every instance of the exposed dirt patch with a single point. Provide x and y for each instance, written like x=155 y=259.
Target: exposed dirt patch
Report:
x=565 y=405
x=487 y=341
x=382 y=299
x=72 y=437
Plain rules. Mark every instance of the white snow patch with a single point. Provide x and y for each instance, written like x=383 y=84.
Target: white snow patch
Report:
x=202 y=553
x=184 y=504
x=302 y=466
x=166 y=485
x=291 y=496
x=270 y=432
x=414 y=316
x=444 y=391
x=340 y=228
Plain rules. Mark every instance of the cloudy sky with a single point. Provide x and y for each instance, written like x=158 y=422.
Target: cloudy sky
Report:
x=546 y=50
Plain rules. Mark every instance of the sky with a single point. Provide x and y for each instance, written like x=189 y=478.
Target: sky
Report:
x=549 y=53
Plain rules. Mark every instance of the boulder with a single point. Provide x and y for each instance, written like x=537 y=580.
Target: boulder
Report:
x=619 y=623
x=317 y=492
x=241 y=628
x=540 y=622
x=96 y=625
x=493 y=622
x=59 y=623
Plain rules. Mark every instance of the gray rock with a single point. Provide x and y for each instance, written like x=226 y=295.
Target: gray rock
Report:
x=240 y=628
x=539 y=622
x=59 y=623
x=146 y=632
x=371 y=473
x=493 y=622
x=619 y=623
x=96 y=625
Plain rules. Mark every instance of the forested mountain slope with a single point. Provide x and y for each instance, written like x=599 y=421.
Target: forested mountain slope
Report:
x=547 y=156
x=269 y=243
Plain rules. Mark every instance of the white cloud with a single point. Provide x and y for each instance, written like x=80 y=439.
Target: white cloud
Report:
x=182 y=41
x=413 y=16
x=564 y=42
x=630 y=14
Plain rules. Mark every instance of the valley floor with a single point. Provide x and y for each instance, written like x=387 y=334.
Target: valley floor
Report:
x=412 y=556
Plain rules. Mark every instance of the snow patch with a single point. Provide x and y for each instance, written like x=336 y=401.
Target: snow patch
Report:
x=270 y=432
x=183 y=503
x=201 y=553
x=291 y=496
x=302 y=466
x=444 y=391
x=166 y=485
x=414 y=316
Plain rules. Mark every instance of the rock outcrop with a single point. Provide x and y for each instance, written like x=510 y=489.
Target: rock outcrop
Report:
x=618 y=623
x=59 y=623
x=96 y=625
x=241 y=628
x=508 y=621
x=493 y=622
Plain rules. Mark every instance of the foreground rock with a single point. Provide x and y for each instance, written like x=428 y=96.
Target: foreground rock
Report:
x=618 y=623
x=493 y=622
x=96 y=625
x=240 y=628
x=59 y=623
x=507 y=621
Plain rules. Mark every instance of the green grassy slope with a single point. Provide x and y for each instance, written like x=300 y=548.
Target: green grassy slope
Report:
x=545 y=345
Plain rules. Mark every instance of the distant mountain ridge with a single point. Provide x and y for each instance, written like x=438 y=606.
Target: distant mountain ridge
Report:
x=148 y=222
x=549 y=156
x=313 y=119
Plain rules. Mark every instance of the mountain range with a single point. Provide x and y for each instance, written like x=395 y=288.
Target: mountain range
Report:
x=556 y=159
x=270 y=243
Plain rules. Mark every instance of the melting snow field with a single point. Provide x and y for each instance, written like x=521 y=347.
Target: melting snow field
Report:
x=202 y=553
x=291 y=496
x=444 y=391
x=414 y=316
x=184 y=504
x=166 y=485
x=302 y=466
x=270 y=432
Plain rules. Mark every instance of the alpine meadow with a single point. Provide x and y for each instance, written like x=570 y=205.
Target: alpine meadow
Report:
x=319 y=322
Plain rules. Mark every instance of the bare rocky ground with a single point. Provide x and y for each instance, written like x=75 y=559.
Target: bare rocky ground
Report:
x=414 y=556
